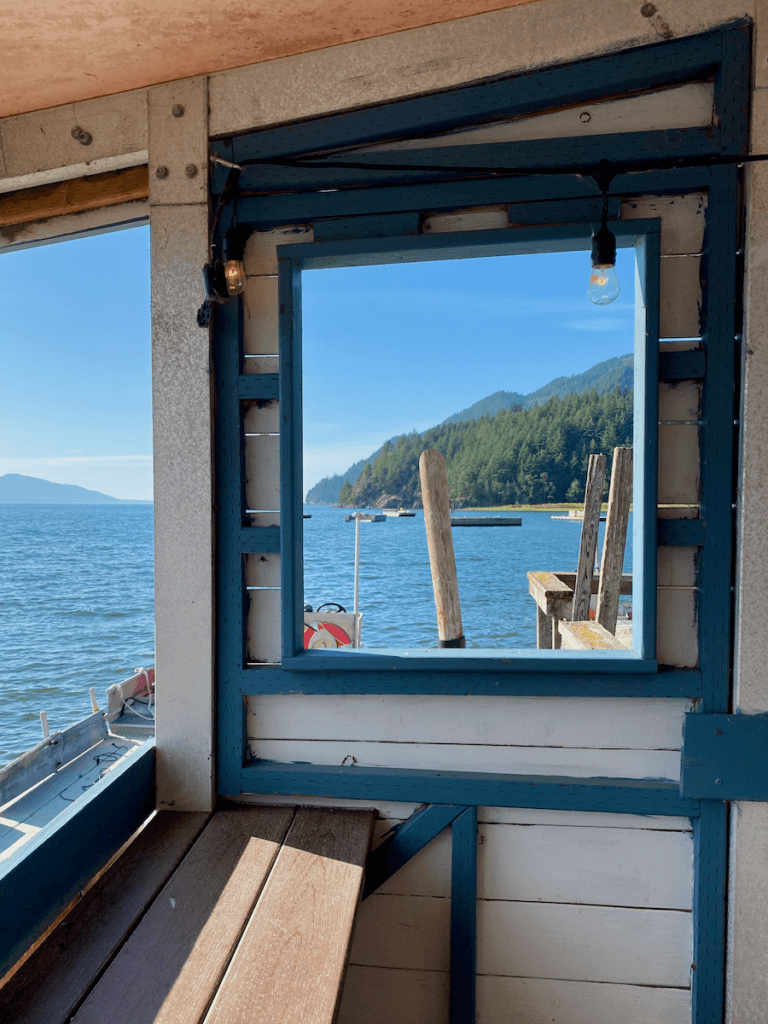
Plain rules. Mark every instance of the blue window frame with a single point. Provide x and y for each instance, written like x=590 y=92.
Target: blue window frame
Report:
x=293 y=259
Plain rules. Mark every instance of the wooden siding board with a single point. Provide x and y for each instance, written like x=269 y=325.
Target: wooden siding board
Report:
x=455 y=757
x=378 y=995
x=584 y=943
x=72 y=960
x=599 y=866
x=544 y=1001
x=643 y=724
x=174 y=960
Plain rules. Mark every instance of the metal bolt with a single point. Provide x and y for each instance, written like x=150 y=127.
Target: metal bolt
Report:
x=177 y=110
x=718 y=732
x=190 y=170
x=586 y=117
x=161 y=171
x=83 y=137
x=648 y=10
x=718 y=782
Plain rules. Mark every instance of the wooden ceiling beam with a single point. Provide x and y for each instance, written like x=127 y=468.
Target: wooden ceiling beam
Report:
x=74 y=196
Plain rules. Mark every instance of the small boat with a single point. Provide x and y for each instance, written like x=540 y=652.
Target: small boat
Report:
x=486 y=521
x=575 y=515
x=44 y=781
x=399 y=513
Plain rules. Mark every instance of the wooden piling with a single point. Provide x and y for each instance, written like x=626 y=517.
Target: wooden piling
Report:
x=612 y=564
x=437 y=518
x=593 y=496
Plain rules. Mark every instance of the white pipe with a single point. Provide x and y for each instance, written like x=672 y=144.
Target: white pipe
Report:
x=44 y=723
x=94 y=702
x=357 y=574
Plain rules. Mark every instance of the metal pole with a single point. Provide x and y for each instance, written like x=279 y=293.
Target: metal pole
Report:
x=357 y=575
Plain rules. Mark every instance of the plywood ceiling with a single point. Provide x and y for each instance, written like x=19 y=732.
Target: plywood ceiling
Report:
x=62 y=51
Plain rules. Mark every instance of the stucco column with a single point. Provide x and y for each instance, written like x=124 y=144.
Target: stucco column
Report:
x=182 y=420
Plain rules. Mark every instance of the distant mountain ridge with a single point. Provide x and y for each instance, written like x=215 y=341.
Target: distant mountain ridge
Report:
x=18 y=489
x=612 y=374
x=608 y=375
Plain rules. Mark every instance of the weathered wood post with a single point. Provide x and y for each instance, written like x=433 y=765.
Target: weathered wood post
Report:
x=619 y=500
x=437 y=518
x=593 y=497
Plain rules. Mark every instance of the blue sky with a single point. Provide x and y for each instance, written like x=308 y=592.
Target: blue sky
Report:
x=386 y=350
x=75 y=362
x=397 y=348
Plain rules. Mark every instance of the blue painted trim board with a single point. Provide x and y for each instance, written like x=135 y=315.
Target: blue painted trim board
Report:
x=47 y=873
x=405 y=841
x=463 y=917
x=623 y=796
x=725 y=757
x=456 y=681
x=710 y=853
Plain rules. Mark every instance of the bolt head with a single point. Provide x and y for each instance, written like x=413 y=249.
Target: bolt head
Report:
x=83 y=137
x=648 y=10
x=585 y=117
x=177 y=110
x=191 y=170
x=161 y=171
x=718 y=782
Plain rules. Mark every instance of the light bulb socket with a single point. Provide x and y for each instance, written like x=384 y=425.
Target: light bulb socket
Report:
x=232 y=246
x=215 y=282
x=604 y=248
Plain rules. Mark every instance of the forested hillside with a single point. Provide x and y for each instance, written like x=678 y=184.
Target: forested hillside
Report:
x=610 y=375
x=525 y=456
x=605 y=376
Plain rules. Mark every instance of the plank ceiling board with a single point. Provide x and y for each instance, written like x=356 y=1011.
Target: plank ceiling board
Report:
x=172 y=963
x=74 y=196
x=72 y=959
x=300 y=930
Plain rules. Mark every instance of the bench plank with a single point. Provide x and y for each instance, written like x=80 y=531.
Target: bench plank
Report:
x=291 y=960
x=73 y=956
x=171 y=965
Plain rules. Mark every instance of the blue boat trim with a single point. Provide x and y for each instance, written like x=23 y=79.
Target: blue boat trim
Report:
x=48 y=872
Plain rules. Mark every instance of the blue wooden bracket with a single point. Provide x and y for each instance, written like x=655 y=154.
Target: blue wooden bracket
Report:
x=405 y=841
x=463 y=917
x=725 y=757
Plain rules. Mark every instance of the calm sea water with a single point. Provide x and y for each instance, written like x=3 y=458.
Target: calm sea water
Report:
x=396 y=585
x=76 y=610
x=77 y=602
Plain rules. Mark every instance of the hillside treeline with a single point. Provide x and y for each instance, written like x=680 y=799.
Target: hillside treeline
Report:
x=518 y=456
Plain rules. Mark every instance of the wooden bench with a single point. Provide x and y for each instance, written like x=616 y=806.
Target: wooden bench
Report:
x=243 y=916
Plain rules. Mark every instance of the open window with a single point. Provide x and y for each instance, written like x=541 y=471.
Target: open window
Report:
x=508 y=605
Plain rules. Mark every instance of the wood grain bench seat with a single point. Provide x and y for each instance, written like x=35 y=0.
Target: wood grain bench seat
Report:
x=253 y=924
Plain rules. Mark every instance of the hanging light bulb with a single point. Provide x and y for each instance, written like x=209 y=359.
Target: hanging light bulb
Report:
x=603 y=283
x=233 y=262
